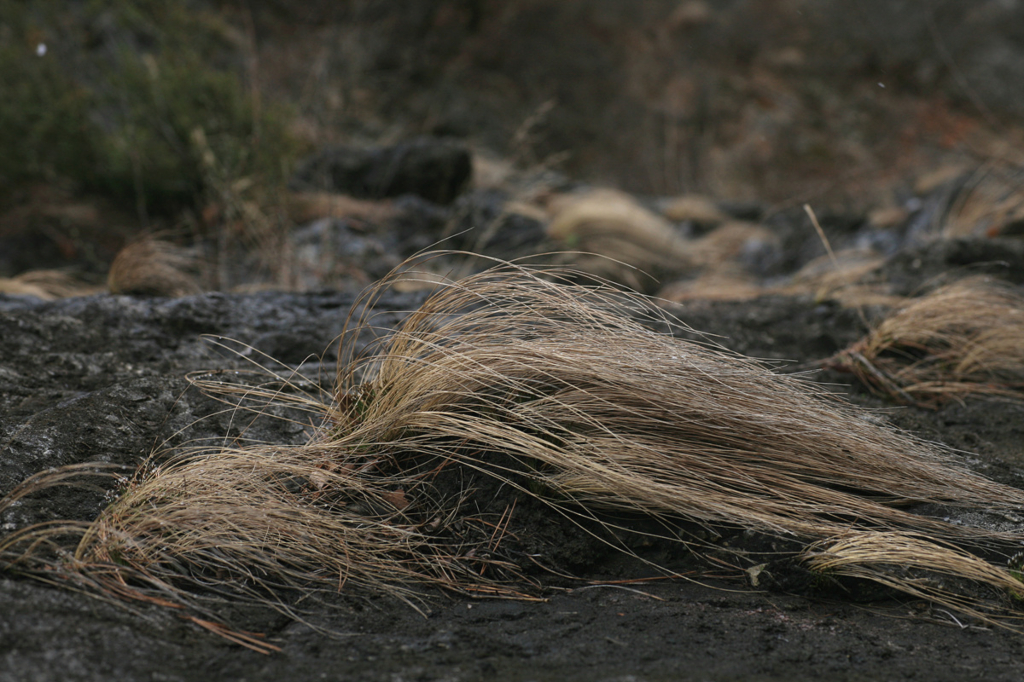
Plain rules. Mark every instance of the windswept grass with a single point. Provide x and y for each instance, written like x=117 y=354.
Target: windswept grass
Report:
x=962 y=339
x=578 y=394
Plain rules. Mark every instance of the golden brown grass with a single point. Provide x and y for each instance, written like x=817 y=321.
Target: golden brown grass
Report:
x=626 y=237
x=616 y=238
x=922 y=567
x=45 y=284
x=699 y=209
x=850 y=279
x=962 y=339
x=727 y=241
x=989 y=201
x=725 y=283
x=153 y=267
x=565 y=391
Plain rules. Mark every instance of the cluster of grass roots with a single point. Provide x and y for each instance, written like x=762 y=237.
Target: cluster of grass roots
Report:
x=577 y=394
x=965 y=338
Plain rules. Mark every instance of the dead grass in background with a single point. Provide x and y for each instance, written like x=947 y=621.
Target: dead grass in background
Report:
x=154 y=267
x=962 y=339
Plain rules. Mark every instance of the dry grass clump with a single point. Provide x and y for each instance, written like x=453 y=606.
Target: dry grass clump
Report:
x=269 y=519
x=625 y=235
x=614 y=237
x=989 y=203
x=921 y=567
x=694 y=207
x=728 y=241
x=153 y=267
x=561 y=391
x=962 y=339
x=725 y=283
x=850 y=278
x=574 y=378
x=44 y=284
x=257 y=523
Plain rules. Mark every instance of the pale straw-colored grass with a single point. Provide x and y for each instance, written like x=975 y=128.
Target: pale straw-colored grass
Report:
x=154 y=267
x=965 y=338
x=577 y=394
x=45 y=284
x=613 y=236
x=927 y=569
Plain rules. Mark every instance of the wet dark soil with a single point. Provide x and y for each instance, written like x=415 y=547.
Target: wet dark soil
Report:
x=101 y=379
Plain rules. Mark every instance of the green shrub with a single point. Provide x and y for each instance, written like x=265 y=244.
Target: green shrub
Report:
x=151 y=148
x=45 y=131
x=118 y=109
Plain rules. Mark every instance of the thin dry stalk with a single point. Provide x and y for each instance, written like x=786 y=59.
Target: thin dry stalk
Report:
x=962 y=339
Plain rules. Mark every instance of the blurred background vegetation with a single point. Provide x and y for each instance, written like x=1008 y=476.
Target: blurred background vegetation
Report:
x=121 y=116
x=116 y=97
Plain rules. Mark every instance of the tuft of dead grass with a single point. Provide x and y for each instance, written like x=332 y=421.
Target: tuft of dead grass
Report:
x=693 y=207
x=45 y=284
x=573 y=377
x=625 y=236
x=578 y=394
x=725 y=283
x=923 y=568
x=849 y=277
x=304 y=207
x=153 y=267
x=989 y=203
x=961 y=339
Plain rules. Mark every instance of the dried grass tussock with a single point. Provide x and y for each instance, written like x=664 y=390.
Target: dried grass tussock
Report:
x=272 y=518
x=304 y=207
x=847 y=278
x=614 y=225
x=563 y=391
x=44 y=284
x=962 y=339
x=153 y=267
x=620 y=416
x=920 y=566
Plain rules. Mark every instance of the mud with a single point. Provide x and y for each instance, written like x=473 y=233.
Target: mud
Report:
x=101 y=379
